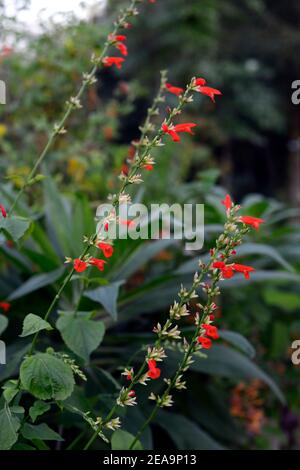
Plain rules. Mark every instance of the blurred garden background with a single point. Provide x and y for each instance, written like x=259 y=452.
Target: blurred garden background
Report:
x=245 y=395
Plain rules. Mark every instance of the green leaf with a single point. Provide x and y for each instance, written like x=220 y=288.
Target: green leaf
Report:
x=32 y=324
x=14 y=355
x=10 y=390
x=122 y=440
x=37 y=282
x=3 y=323
x=106 y=296
x=186 y=434
x=38 y=409
x=286 y=301
x=80 y=334
x=15 y=227
x=41 y=432
x=46 y=376
x=9 y=426
x=239 y=341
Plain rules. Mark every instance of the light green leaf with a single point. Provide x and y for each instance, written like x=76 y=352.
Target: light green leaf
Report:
x=80 y=334
x=41 y=432
x=286 y=301
x=9 y=426
x=15 y=227
x=46 y=376
x=239 y=341
x=37 y=282
x=3 y=323
x=32 y=324
x=10 y=390
x=38 y=409
x=106 y=296
x=122 y=440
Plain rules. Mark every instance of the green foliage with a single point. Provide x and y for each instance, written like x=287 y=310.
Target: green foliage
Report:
x=32 y=324
x=122 y=440
x=9 y=426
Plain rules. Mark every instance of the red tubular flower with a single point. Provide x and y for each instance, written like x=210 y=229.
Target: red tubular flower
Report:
x=5 y=306
x=242 y=268
x=253 y=221
x=206 y=343
x=99 y=263
x=107 y=249
x=200 y=81
x=148 y=167
x=211 y=331
x=174 y=89
x=122 y=48
x=173 y=130
x=3 y=211
x=211 y=92
x=129 y=377
x=80 y=265
x=106 y=225
x=131 y=394
x=227 y=271
x=154 y=372
x=227 y=202
x=110 y=61
x=120 y=37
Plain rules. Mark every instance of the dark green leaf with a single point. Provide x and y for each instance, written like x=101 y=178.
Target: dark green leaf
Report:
x=33 y=323
x=41 y=432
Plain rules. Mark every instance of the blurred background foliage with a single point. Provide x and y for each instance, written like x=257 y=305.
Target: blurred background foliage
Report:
x=247 y=143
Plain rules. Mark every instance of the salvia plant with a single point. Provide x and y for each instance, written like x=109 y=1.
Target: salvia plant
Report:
x=47 y=377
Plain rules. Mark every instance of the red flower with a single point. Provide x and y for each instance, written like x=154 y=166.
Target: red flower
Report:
x=173 y=130
x=106 y=227
x=3 y=211
x=200 y=81
x=129 y=377
x=154 y=372
x=174 y=89
x=242 y=268
x=110 y=61
x=206 y=343
x=131 y=394
x=122 y=48
x=227 y=202
x=99 y=263
x=5 y=306
x=253 y=221
x=148 y=167
x=120 y=37
x=211 y=92
x=80 y=265
x=126 y=222
x=211 y=331
x=107 y=249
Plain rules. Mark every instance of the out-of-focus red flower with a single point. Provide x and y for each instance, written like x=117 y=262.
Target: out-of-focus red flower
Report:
x=117 y=37
x=200 y=81
x=211 y=331
x=122 y=48
x=227 y=202
x=131 y=394
x=173 y=130
x=174 y=89
x=229 y=269
x=5 y=306
x=242 y=268
x=208 y=91
x=3 y=211
x=126 y=222
x=106 y=248
x=206 y=343
x=148 y=167
x=153 y=372
x=110 y=61
x=253 y=221
x=99 y=263
x=79 y=265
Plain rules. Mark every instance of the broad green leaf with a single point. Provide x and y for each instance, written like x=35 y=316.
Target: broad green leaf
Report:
x=10 y=390
x=46 y=376
x=122 y=440
x=33 y=323
x=80 y=334
x=106 y=296
x=3 y=323
x=15 y=227
x=41 y=432
x=38 y=409
x=9 y=426
x=186 y=434
x=239 y=341
x=37 y=282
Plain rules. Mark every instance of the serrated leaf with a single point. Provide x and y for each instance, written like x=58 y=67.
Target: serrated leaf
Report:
x=38 y=409
x=32 y=324
x=122 y=440
x=41 y=432
x=9 y=426
x=106 y=296
x=46 y=376
x=80 y=334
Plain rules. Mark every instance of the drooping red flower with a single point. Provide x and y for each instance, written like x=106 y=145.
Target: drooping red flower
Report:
x=200 y=81
x=120 y=37
x=110 y=61
x=5 y=306
x=3 y=211
x=242 y=268
x=153 y=372
x=99 y=263
x=227 y=202
x=206 y=343
x=207 y=90
x=107 y=249
x=174 y=89
x=122 y=48
x=79 y=265
x=131 y=394
x=227 y=271
x=253 y=221
x=211 y=331
x=148 y=167
x=173 y=130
